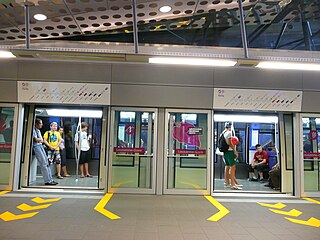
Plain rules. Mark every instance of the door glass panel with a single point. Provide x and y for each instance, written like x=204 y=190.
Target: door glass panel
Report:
x=187 y=151
x=132 y=155
x=6 y=134
x=311 y=153
x=69 y=120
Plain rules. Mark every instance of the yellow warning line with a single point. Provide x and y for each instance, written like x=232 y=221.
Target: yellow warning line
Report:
x=222 y=210
x=3 y=192
x=102 y=203
x=311 y=200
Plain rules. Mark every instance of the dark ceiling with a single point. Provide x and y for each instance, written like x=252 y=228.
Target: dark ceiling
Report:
x=286 y=24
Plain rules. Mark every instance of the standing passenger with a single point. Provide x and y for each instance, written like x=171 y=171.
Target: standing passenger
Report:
x=230 y=158
x=85 y=153
x=41 y=154
x=63 y=154
x=52 y=139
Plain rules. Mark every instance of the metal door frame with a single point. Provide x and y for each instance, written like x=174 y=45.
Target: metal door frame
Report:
x=28 y=146
x=208 y=149
x=9 y=186
x=300 y=159
x=152 y=190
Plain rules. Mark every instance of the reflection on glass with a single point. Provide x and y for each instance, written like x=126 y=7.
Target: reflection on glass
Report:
x=132 y=156
x=311 y=153
x=187 y=151
x=6 y=134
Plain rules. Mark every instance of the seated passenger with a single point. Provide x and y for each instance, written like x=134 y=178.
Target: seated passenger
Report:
x=259 y=164
x=274 y=177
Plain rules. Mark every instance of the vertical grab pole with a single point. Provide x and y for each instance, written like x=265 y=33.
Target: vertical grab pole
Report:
x=77 y=153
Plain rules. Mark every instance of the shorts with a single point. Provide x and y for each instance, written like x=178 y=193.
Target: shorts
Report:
x=54 y=156
x=229 y=158
x=84 y=157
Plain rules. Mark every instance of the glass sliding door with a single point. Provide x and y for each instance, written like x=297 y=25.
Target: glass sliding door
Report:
x=311 y=154
x=187 y=152
x=132 y=151
x=8 y=123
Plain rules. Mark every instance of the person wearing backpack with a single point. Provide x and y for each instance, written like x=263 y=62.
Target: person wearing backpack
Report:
x=230 y=155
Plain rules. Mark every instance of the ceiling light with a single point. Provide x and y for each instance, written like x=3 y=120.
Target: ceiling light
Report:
x=40 y=17
x=193 y=61
x=6 y=54
x=290 y=66
x=245 y=118
x=165 y=9
x=74 y=113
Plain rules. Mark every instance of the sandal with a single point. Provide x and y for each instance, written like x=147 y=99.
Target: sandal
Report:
x=89 y=175
x=82 y=176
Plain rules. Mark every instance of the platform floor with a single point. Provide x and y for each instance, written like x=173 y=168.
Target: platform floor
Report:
x=150 y=217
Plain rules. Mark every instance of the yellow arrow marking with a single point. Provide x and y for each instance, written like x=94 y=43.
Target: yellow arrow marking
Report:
x=102 y=203
x=8 y=216
x=277 y=205
x=312 y=200
x=292 y=213
x=41 y=200
x=26 y=207
x=313 y=222
x=222 y=210
x=3 y=192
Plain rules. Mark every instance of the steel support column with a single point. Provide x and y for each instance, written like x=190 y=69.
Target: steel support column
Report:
x=27 y=25
x=243 y=31
x=135 y=27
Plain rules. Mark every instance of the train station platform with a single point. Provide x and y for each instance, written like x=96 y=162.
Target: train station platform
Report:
x=95 y=216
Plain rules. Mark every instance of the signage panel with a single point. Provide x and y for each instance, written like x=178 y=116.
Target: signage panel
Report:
x=67 y=93
x=250 y=99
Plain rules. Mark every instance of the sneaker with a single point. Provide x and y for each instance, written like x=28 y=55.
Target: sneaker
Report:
x=261 y=180
x=235 y=187
x=226 y=185
x=239 y=185
x=51 y=183
x=253 y=179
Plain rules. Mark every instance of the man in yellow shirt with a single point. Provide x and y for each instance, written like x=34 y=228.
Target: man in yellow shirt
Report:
x=52 y=140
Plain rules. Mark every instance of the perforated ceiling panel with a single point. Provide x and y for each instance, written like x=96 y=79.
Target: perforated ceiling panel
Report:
x=79 y=17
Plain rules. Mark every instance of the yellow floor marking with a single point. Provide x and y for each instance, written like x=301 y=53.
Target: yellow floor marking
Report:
x=121 y=183
x=222 y=210
x=277 y=205
x=100 y=207
x=26 y=207
x=313 y=222
x=41 y=200
x=311 y=200
x=292 y=213
x=3 y=192
x=8 y=216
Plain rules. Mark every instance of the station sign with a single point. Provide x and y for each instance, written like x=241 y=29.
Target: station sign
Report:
x=128 y=150
x=187 y=151
x=251 y=99
x=64 y=93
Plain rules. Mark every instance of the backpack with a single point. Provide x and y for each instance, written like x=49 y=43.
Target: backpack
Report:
x=222 y=143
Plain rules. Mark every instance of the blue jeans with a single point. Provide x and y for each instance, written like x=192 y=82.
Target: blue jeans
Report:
x=43 y=163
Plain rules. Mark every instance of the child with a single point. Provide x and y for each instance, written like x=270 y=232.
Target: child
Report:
x=52 y=140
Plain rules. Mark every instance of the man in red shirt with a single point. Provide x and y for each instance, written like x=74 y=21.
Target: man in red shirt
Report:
x=259 y=164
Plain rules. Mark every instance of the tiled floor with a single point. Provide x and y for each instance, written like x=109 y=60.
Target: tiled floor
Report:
x=149 y=217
